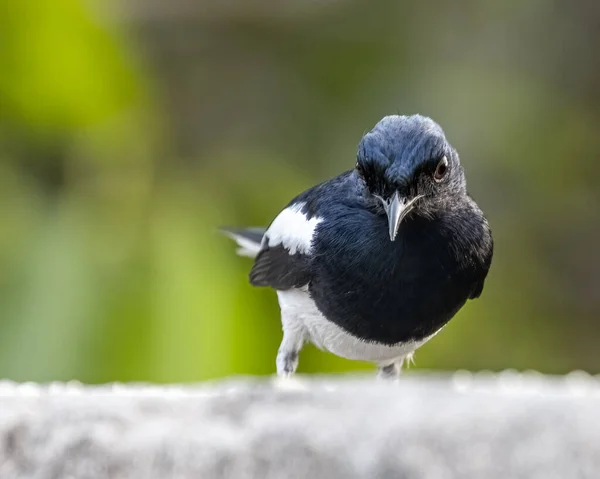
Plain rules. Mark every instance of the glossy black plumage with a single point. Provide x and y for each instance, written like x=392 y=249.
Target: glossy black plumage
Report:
x=275 y=267
x=378 y=287
x=374 y=288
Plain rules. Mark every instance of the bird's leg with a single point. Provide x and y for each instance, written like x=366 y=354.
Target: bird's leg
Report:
x=287 y=356
x=390 y=371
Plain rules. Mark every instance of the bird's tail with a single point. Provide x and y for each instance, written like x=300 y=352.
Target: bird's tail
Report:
x=248 y=239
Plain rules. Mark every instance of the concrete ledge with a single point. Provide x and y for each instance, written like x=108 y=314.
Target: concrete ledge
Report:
x=428 y=426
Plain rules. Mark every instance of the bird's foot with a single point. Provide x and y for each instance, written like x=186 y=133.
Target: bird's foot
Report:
x=390 y=372
x=287 y=362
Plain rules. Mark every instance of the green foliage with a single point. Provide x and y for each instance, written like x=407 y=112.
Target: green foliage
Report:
x=115 y=177
x=60 y=69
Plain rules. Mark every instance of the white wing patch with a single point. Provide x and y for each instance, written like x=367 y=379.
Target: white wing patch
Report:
x=293 y=230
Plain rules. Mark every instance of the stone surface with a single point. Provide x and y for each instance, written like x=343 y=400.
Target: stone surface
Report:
x=428 y=426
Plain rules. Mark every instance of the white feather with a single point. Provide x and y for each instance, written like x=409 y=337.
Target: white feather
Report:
x=247 y=247
x=299 y=311
x=293 y=230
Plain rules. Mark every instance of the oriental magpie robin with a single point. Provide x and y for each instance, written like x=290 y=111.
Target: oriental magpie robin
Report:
x=374 y=262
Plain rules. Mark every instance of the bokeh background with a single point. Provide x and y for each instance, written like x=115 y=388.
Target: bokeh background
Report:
x=129 y=131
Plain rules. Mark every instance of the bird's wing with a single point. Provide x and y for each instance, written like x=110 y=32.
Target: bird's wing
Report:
x=285 y=256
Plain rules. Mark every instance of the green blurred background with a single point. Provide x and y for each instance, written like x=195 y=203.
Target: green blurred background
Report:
x=130 y=130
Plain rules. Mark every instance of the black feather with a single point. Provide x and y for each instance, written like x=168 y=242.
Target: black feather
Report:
x=275 y=267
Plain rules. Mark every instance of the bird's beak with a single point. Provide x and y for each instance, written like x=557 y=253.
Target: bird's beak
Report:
x=396 y=209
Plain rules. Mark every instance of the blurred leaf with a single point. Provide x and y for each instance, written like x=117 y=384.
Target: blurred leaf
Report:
x=60 y=68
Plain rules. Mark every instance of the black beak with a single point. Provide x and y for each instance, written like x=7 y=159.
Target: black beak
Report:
x=396 y=209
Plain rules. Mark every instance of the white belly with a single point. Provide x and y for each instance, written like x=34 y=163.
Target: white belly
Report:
x=298 y=310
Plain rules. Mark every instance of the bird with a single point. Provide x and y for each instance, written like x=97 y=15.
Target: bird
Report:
x=373 y=263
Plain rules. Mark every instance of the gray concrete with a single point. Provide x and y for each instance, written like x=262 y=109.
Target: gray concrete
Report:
x=428 y=426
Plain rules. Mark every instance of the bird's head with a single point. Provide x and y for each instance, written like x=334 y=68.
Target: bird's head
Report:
x=406 y=165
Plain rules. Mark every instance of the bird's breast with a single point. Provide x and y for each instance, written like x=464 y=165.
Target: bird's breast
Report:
x=300 y=311
x=382 y=291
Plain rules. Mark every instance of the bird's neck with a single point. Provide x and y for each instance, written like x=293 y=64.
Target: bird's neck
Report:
x=465 y=224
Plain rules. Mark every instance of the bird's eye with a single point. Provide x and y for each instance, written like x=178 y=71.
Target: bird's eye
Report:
x=441 y=169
